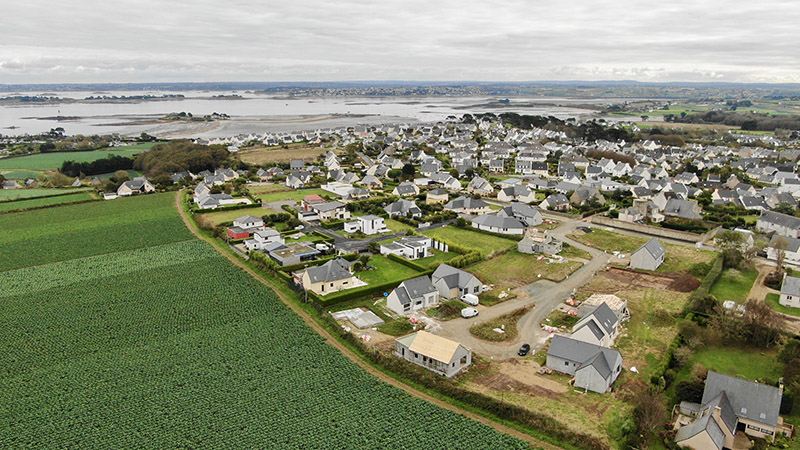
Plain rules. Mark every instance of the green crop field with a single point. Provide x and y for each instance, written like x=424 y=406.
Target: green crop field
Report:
x=45 y=201
x=52 y=161
x=483 y=243
x=20 y=174
x=168 y=345
x=56 y=234
x=16 y=194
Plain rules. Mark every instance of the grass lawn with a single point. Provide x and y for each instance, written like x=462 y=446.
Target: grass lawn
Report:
x=568 y=251
x=447 y=310
x=267 y=189
x=52 y=161
x=297 y=195
x=396 y=327
x=21 y=174
x=386 y=271
x=734 y=285
x=438 y=257
x=17 y=194
x=514 y=269
x=485 y=244
x=216 y=218
x=506 y=322
x=106 y=176
x=560 y=319
x=743 y=362
x=610 y=241
x=396 y=226
x=46 y=201
x=772 y=300
x=682 y=258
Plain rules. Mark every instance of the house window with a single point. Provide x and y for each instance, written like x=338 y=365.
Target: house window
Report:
x=403 y=351
x=566 y=363
x=419 y=302
x=464 y=359
x=331 y=284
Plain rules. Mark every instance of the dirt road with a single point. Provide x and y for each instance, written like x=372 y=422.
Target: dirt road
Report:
x=350 y=354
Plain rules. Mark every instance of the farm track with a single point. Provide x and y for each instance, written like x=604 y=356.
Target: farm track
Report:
x=309 y=321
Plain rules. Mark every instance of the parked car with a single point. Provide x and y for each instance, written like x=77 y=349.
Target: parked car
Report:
x=470 y=299
x=469 y=312
x=524 y=349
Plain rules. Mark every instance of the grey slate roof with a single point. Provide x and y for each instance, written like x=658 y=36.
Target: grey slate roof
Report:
x=604 y=316
x=329 y=206
x=752 y=401
x=330 y=271
x=583 y=353
x=466 y=203
x=793 y=245
x=405 y=188
x=414 y=288
x=654 y=247
x=791 y=286
x=780 y=219
x=495 y=221
x=452 y=277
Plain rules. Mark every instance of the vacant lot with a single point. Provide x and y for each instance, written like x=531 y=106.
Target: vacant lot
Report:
x=216 y=218
x=742 y=362
x=610 y=241
x=266 y=189
x=289 y=194
x=385 y=271
x=507 y=323
x=682 y=258
x=485 y=244
x=514 y=269
x=734 y=285
x=51 y=161
x=271 y=155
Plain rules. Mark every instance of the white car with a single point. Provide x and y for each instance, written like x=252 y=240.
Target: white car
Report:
x=469 y=312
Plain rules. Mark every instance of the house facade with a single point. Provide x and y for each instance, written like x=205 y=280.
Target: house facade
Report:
x=453 y=283
x=413 y=295
x=434 y=353
x=595 y=368
x=649 y=256
x=790 y=292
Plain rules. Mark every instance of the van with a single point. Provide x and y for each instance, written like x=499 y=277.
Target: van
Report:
x=469 y=312
x=470 y=299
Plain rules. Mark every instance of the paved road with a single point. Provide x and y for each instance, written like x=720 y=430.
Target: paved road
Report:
x=544 y=296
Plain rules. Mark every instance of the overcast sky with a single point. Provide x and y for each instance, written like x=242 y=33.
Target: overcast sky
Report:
x=44 y=41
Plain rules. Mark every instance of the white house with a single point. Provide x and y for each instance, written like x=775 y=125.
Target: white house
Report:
x=413 y=295
x=790 y=292
x=649 y=256
x=498 y=224
x=263 y=239
x=410 y=247
x=368 y=225
x=599 y=327
x=434 y=353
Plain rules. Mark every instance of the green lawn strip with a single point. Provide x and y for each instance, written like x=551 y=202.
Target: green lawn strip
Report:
x=447 y=310
x=610 y=241
x=386 y=270
x=23 y=194
x=734 y=285
x=396 y=327
x=483 y=243
x=52 y=161
x=21 y=174
x=297 y=195
x=396 y=226
x=513 y=269
x=506 y=322
x=45 y=201
x=683 y=258
x=742 y=362
x=568 y=251
x=772 y=300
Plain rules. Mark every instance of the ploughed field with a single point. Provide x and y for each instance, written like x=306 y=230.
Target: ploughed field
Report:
x=118 y=329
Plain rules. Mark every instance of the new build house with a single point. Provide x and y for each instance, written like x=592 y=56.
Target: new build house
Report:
x=598 y=327
x=333 y=276
x=595 y=368
x=413 y=295
x=368 y=225
x=649 y=256
x=434 y=353
x=409 y=247
x=790 y=292
x=453 y=283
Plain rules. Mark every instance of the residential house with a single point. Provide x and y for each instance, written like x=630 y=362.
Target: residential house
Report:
x=598 y=327
x=453 y=283
x=409 y=247
x=413 y=295
x=682 y=209
x=586 y=194
x=539 y=242
x=437 y=197
x=789 y=246
x=333 y=276
x=371 y=182
x=405 y=189
x=264 y=239
x=368 y=225
x=403 y=208
x=524 y=213
x=782 y=224
x=649 y=256
x=498 y=224
x=556 y=202
x=138 y=185
x=595 y=368
x=434 y=353
x=467 y=205
x=243 y=227
x=291 y=254
x=331 y=211
x=517 y=193
x=480 y=186
x=790 y=292
x=730 y=406
x=631 y=215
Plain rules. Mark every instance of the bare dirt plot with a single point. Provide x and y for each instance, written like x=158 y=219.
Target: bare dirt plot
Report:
x=263 y=156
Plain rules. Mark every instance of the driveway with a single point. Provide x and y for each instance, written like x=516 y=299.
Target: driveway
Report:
x=543 y=296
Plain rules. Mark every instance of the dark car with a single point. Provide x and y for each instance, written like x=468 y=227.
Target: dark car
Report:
x=524 y=349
